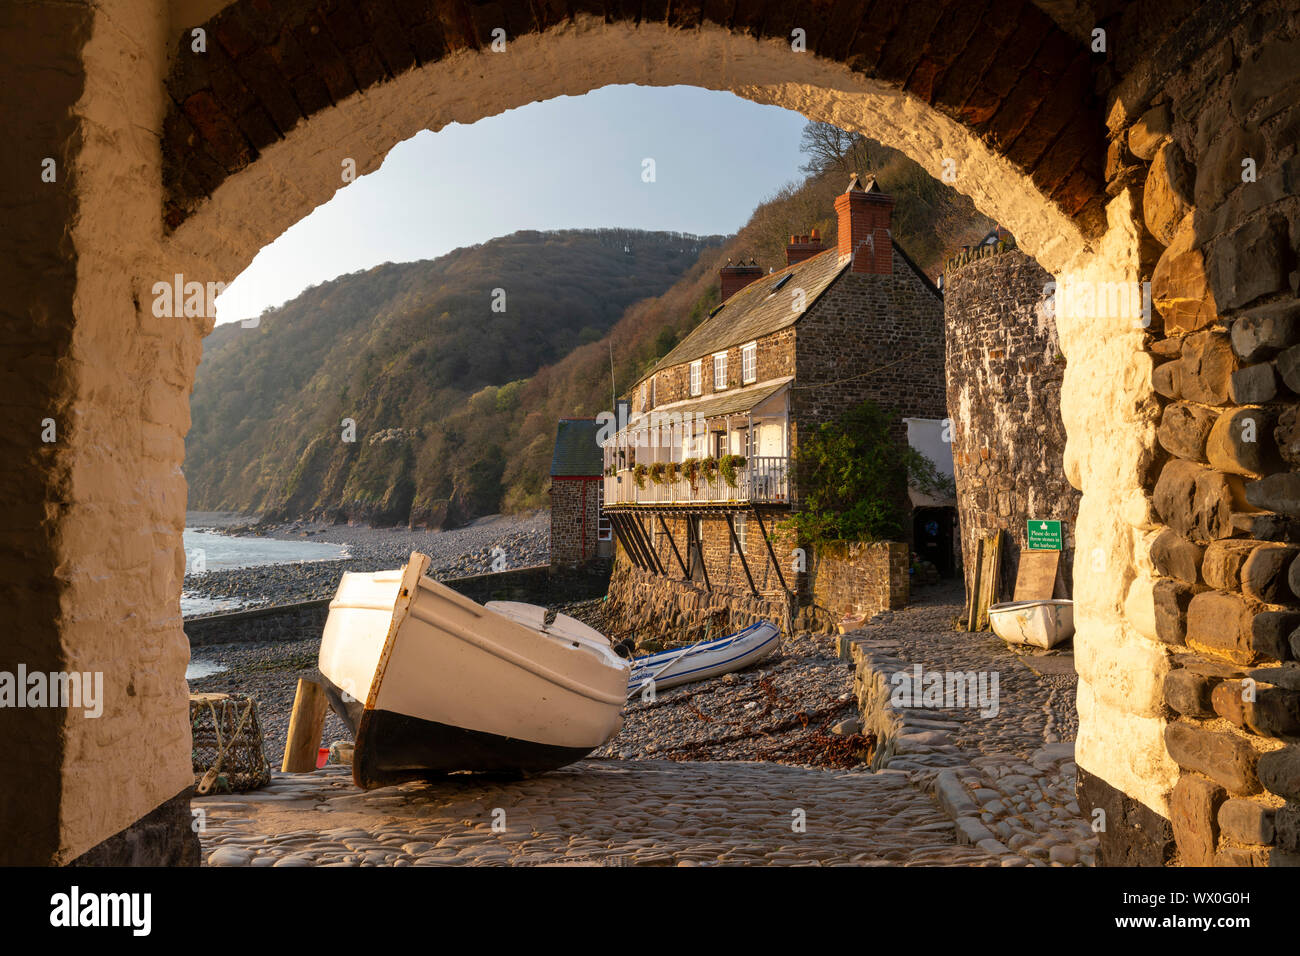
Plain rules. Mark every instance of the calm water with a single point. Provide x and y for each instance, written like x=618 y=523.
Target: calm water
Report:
x=218 y=552
x=222 y=551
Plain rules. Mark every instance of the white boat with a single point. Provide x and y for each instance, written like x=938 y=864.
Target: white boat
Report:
x=681 y=665
x=432 y=683
x=1036 y=623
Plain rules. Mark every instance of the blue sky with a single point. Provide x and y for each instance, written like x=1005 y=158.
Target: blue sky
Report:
x=571 y=162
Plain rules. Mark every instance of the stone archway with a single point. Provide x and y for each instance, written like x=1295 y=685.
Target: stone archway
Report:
x=179 y=165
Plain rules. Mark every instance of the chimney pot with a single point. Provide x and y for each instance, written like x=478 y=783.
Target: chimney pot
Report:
x=803 y=247
x=735 y=277
x=864 y=212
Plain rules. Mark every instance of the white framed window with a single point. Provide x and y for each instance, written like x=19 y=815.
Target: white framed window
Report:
x=740 y=522
x=697 y=374
x=720 y=371
x=645 y=394
x=749 y=363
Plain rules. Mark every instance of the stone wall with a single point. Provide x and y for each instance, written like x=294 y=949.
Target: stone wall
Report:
x=1210 y=150
x=1004 y=369
x=841 y=581
x=871 y=337
x=575 y=519
x=721 y=559
x=855 y=580
x=655 y=610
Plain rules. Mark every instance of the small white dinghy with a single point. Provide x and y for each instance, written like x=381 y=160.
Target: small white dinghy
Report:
x=1036 y=623
x=681 y=665
x=432 y=683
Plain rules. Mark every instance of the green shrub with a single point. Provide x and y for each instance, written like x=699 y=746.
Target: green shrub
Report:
x=852 y=477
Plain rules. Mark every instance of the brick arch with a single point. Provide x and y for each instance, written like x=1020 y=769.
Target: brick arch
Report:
x=1020 y=86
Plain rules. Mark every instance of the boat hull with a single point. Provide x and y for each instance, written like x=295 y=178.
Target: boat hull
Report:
x=452 y=687
x=709 y=659
x=1043 y=624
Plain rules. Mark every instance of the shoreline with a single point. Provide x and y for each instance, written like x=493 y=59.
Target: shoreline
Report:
x=517 y=540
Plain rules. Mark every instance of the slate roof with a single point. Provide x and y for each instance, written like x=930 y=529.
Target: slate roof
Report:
x=576 y=452
x=758 y=310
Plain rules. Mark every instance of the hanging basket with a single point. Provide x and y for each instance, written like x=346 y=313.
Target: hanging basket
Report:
x=227 y=744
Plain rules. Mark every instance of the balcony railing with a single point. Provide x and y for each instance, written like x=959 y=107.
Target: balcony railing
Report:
x=762 y=480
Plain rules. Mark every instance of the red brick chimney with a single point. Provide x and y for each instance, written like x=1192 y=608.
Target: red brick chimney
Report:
x=736 y=277
x=864 y=213
x=803 y=247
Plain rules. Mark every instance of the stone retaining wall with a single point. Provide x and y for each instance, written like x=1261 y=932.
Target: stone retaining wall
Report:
x=290 y=622
x=651 y=608
x=855 y=580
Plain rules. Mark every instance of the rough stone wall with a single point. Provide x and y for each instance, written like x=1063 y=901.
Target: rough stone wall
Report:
x=775 y=360
x=1209 y=151
x=40 y=81
x=871 y=337
x=575 y=519
x=655 y=610
x=856 y=580
x=1004 y=369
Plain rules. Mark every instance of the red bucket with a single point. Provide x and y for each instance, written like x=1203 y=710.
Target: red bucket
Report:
x=322 y=757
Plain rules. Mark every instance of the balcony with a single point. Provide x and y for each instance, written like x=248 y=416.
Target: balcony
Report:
x=761 y=481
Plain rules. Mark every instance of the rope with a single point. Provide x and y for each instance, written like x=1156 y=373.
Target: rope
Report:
x=210 y=777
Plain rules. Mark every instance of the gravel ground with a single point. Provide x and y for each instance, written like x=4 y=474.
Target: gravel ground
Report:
x=523 y=541
x=781 y=711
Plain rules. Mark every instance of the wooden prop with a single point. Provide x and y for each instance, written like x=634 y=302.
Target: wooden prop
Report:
x=1036 y=576
x=306 y=724
x=984 y=586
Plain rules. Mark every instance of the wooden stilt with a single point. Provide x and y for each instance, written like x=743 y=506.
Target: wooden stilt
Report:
x=306 y=724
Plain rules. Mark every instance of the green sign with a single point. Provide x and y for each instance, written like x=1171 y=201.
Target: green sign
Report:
x=1044 y=535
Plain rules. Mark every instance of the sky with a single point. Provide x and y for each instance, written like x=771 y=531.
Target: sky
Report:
x=570 y=162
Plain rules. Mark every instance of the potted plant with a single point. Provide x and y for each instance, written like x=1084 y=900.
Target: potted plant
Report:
x=672 y=472
x=658 y=470
x=709 y=468
x=728 y=465
x=638 y=475
x=691 y=470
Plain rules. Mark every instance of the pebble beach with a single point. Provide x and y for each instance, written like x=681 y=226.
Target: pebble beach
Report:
x=961 y=789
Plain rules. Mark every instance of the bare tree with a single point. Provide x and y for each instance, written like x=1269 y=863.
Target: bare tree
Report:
x=828 y=148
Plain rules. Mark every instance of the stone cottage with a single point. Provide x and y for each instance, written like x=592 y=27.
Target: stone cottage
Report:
x=580 y=530
x=698 y=474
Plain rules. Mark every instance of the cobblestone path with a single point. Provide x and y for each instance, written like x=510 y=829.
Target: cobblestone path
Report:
x=608 y=813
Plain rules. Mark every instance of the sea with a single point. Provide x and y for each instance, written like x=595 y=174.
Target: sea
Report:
x=219 y=552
